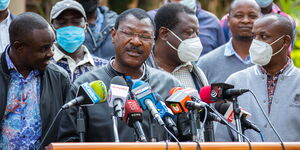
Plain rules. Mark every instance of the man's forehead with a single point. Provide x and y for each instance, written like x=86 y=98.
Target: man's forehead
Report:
x=131 y=21
x=266 y=24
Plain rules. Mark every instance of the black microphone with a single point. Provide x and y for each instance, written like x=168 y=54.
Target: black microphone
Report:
x=223 y=91
x=133 y=117
x=88 y=94
x=226 y=110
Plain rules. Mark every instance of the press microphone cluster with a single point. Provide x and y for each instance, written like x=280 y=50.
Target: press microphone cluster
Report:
x=88 y=94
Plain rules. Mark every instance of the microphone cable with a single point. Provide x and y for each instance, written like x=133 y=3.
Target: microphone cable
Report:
x=198 y=146
x=265 y=115
x=170 y=133
x=52 y=123
x=232 y=128
x=261 y=136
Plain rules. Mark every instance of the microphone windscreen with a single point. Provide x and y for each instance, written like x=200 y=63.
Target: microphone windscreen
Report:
x=133 y=112
x=137 y=84
x=205 y=94
x=222 y=108
x=118 y=80
x=100 y=89
x=173 y=90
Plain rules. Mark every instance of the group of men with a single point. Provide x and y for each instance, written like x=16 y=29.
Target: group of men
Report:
x=43 y=65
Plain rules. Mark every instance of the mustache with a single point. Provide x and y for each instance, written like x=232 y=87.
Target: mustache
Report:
x=137 y=49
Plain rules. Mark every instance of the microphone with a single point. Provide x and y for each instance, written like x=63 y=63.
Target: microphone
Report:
x=226 y=109
x=181 y=101
x=168 y=116
x=223 y=91
x=133 y=116
x=88 y=94
x=118 y=93
x=143 y=94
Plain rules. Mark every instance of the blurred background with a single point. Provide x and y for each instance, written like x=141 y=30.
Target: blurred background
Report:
x=217 y=7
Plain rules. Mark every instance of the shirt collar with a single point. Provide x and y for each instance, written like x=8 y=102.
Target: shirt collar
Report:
x=10 y=64
x=187 y=64
x=58 y=55
x=264 y=71
x=229 y=51
x=7 y=20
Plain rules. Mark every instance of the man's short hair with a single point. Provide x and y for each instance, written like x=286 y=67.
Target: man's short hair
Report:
x=23 y=25
x=136 y=12
x=166 y=16
x=284 y=23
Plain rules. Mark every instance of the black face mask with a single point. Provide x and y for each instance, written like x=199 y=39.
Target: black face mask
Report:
x=89 y=6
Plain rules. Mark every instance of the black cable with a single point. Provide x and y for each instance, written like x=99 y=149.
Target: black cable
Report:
x=265 y=115
x=173 y=137
x=198 y=145
x=228 y=124
x=49 y=129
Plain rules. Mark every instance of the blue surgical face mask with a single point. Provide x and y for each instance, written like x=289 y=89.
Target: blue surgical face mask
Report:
x=264 y=3
x=189 y=3
x=70 y=38
x=4 y=4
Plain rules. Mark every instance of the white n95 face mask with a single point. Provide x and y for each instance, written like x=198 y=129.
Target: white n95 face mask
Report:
x=188 y=49
x=262 y=52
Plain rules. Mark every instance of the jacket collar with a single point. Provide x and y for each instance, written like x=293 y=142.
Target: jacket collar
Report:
x=288 y=71
x=112 y=72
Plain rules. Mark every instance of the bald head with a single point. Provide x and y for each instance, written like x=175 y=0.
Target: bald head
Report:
x=282 y=24
x=22 y=26
x=236 y=3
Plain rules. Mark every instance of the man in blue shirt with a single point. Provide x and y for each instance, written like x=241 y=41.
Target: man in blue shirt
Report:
x=234 y=55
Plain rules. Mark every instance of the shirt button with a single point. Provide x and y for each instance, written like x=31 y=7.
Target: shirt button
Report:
x=265 y=101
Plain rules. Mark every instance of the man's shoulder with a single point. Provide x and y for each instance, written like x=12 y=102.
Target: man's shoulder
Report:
x=161 y=75
x=107 y=12
x=244 y=74
x=213 y=55
x=96 y=74
x=57 y=70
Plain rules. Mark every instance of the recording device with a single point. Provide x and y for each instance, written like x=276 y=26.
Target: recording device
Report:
x=133 y=116
x=118 y=93
x=88 y=94
x=143 y=94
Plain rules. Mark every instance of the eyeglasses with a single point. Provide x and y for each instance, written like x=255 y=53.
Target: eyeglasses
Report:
x=129 y=34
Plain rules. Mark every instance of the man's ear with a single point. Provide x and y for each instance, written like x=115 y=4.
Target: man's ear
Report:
x=287 y=40
x=163 y=33
x=113 y=34
x=18 y=46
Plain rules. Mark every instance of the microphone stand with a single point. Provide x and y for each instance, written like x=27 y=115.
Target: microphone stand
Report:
x=115 y=128
x=237 y=118
x=193 y=125
x=81 y=124
x=153 y=138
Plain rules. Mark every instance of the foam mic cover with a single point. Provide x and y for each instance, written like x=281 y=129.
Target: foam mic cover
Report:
x=205 y=94
x=133 y=112
x=100 y=89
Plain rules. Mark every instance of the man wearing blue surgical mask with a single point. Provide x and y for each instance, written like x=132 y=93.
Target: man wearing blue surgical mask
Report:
x=5 y=19
x=69 y=21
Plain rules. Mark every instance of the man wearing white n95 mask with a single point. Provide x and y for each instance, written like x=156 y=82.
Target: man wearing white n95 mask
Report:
x=274 y=80
x=176 y=46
